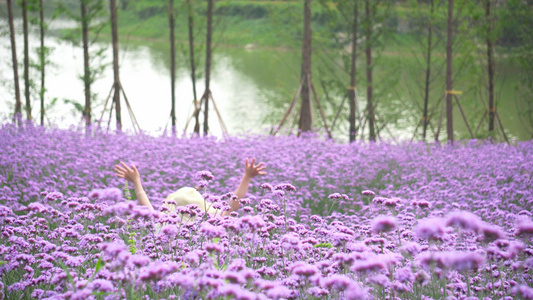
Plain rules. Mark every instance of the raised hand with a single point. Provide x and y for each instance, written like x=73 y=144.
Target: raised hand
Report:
x=251 y=169
x=130 y=174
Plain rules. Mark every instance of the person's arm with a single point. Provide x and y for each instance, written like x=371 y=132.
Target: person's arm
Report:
x=250 y=171
x=132 y=175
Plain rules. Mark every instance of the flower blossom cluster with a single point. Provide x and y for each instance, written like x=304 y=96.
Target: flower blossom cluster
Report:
x=417 y=221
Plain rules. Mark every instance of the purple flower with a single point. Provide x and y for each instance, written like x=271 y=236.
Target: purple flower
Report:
x=157 y=270
x=279 y=292
x=430 y=229
x=53 y=196
x=368 y=193
x=404 y=275
x=380 y=280
x=139 y=260
x=212 y=247
x=102 y=285
x=524 y=228
x=212 y=231
x=285 y=187
x=170 y=230
x=523 y=291
x=464 y=220
x=383 y=224
x=205 y=175
x=234 y=277
x=491 y=232
x=267 y=186
x=303 y=269
x=335 y=196
x=455 y=260
x=367 y=266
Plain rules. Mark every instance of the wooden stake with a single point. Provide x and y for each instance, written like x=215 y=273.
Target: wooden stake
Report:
x=338 y=112
x=105 y=105
x=416 y=130
x=464 y=117
x=501 y=127
x=222 y=125
x=197 y=107
x=320 y=109
x=110 y=115
x=480 y=122
x=440 y=120
x=132 y=115
x=291 y=106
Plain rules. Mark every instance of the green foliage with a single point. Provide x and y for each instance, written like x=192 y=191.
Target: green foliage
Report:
x=77 y=106
x=323 y=245
x=127 y=193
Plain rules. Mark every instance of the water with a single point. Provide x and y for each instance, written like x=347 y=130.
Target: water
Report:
x=251 y=88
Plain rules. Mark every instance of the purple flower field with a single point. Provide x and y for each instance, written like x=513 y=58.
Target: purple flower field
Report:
x=328 y=221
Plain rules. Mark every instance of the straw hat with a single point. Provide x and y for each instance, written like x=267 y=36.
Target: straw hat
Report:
x=184 y=197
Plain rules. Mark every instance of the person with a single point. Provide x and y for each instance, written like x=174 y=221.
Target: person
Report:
x=189 y=195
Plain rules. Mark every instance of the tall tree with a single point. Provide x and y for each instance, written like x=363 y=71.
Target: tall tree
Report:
x=193 y=65
x=26 y=59
x=306 y=118
x=208 y=64
x=352 y=90
x=18 y=105
x=429 y=47
x=117 y=87
x=369 y=84
x=42 y=58
x=86 y=70
x=172 y=65
x=490 y=62
x=449 y=80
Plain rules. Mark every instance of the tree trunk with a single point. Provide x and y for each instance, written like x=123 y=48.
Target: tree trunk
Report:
x=369 y=84
x=352 y=133
x=425 y=119
x=208 y=63
x=26 y=59
x=172 y=65
x=449 y=83
x=116 y=96
x=18 y=105
x=490 y=65
x=306 y=121
x=86 y=70
x=193 y=66
x=42 y=58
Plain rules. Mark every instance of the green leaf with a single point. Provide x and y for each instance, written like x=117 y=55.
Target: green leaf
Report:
x=216 y=240
x=99 y=265
x=323 y=245
x=10 y=175
x=62 y=265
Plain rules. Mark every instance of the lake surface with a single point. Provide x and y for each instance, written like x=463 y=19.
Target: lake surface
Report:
x=251 y=88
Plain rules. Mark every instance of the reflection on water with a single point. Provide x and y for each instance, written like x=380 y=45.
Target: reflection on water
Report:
x=145 y=78
x=252 y=89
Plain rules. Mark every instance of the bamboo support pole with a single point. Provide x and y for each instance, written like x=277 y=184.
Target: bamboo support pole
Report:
x=105 y=105
x=221 y=122
x=440 y=121
x=480 y=122
x=291 y=106
x=464 y=117
x=322 y=115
